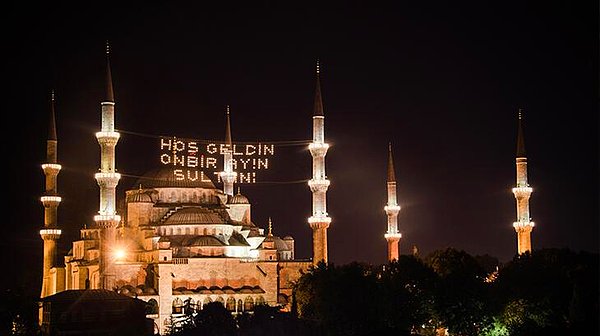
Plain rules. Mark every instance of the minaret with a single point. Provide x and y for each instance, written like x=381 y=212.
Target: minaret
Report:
x=391 y=209
x=107 y=218
x=50 y=233
x=228 y=175
x=319 y=221
x=522 y=191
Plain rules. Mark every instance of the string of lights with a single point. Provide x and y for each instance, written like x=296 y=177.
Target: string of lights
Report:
x=133 y=176
x=279 y=143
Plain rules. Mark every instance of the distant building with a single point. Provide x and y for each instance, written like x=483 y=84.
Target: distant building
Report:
x=94 y=312
x=180 y=242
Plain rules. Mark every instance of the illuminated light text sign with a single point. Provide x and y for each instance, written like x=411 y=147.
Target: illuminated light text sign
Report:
x=192 y=160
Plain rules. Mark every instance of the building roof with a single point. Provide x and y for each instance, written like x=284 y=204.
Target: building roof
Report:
x=87 y=295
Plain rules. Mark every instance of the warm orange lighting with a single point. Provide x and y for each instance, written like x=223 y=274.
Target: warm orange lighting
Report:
x=120 y=254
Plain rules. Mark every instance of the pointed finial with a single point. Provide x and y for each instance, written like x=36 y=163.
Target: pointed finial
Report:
x=520 y=138
x=110 y=96
x=270 y=228
x=391 y=174
x=318 y=68
x=140 y=187
x=228 y=128
x=239 y=193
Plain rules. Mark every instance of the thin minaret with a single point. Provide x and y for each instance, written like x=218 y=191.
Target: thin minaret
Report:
x=523 y=226
x=228 y=175
x=319 y=221
x=108 y=178
x=50 y=233
x=391 y=209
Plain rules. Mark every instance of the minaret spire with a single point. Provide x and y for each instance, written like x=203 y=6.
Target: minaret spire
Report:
x=391 y=175
x=110 y=96
x=228 y=175
x=50 y=233
x=320 y=220
x=392 y=209
x=520 y=138
x=318 y=109
x=52 y=126
x=107 y=218
x=523 y=226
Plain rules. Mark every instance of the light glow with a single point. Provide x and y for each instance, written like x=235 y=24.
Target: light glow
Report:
x=120 y=254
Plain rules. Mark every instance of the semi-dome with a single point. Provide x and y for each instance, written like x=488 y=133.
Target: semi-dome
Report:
x=166 y=178
x=195 y=215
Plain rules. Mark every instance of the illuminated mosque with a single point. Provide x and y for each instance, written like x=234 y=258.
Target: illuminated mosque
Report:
x=180 y=243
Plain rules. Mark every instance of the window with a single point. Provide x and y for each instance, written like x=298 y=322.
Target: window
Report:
x=230 y=304
x=152 y=307
x=177 y=306
x=249 y=303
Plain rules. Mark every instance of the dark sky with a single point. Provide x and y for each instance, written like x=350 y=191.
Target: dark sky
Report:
x=441 y=81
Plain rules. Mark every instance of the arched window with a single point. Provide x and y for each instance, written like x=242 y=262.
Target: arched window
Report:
x=220 y=300
x=177 y=306
x=230 y=304
x=172 y=197
x=240 y=306
x=207 y=300
x=249 y=303
x=260 y=300
x=189 y=306
x=194 y=197
x=152 y=307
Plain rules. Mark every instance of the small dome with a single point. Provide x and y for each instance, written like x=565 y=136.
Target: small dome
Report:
x=238 y=199
x=288 y=238
x=139 y=197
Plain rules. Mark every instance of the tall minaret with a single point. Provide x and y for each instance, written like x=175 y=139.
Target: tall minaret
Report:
x=228 y=175
x=319 y=221
x=522 y=191
x=391 y=209
x=50 y=233
x=107 y=218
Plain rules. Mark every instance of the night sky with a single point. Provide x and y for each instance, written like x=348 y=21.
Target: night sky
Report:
x=441 y=81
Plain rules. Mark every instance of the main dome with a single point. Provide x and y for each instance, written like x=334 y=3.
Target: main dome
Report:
x=166 y=178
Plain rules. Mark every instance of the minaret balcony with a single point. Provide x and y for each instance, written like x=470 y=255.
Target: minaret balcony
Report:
x=318 y=149
x=319 y=185
x=392 y=208
x=227 y=176
x=522 y=191
x=108 y=135
x=521 y=225
x=107 y=221
x=392 y=236
x=323 y=218
x=109 y=180
x=49 y=201
x=51 y=168
x=50 y=234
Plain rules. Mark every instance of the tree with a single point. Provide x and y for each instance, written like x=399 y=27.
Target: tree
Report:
x=462 y=295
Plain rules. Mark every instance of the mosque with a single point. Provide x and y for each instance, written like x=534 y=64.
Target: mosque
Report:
x=179 y=243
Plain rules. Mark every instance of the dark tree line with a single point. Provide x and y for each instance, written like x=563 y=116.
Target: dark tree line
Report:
x=547 y=292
